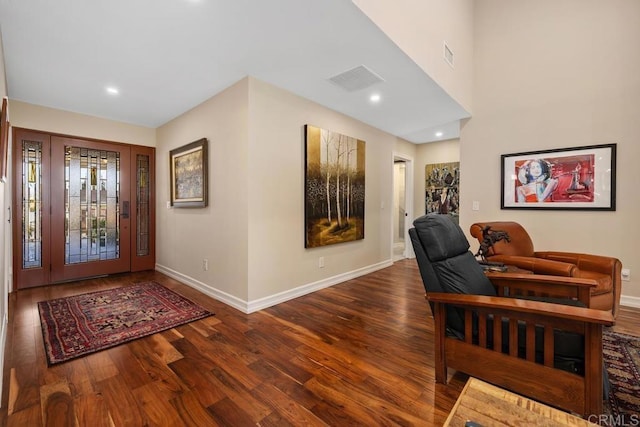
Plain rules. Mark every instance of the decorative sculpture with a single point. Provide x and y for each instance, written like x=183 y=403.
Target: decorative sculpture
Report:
x=490 y=237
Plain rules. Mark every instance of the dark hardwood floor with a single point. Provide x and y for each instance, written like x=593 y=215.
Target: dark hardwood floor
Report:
x=358 y=353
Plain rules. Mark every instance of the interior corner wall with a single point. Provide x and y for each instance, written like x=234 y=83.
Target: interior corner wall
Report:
x=278 y=261
x=426 y=154
x=420 y=29
x=552 y=74
x=218 y=232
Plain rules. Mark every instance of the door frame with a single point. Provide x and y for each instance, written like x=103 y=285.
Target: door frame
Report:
x=408 y=197
x=136 y=263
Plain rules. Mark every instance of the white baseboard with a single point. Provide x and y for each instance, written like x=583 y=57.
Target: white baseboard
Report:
x=262 y=303
x=630 y=301
x=217 y=294
x=272 y=300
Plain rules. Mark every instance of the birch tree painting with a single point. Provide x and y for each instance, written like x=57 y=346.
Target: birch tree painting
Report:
x=334 y=187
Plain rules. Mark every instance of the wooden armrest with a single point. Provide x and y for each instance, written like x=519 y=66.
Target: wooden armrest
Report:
x=581 y=314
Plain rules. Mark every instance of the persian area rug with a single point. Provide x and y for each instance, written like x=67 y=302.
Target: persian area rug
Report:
x=622 y=360
x=83 y=324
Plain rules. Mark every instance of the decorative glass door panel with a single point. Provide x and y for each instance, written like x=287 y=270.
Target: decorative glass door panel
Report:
x=32 y=204
x=143 y=227
x=92 y=213
x=142 y=204
x=90 y=208
x=31 y=222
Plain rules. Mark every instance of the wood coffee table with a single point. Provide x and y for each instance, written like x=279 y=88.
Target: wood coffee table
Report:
x=488 y=405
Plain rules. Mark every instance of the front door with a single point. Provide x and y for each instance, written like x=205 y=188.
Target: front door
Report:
x=76 y=213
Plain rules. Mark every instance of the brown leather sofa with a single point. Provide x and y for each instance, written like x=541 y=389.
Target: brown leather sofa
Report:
x=519 y=252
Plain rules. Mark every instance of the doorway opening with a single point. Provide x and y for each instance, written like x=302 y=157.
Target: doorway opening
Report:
x=402 y=207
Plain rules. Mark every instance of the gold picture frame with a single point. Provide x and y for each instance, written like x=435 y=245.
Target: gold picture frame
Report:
x=189 y=175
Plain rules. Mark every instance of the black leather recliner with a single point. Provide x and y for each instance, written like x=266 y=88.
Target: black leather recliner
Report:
x=447 y=265
x=527 y=323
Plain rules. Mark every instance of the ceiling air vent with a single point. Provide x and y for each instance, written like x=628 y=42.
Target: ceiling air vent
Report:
x=356 y=78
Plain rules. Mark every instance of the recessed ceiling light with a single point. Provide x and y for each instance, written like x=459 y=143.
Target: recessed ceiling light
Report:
x=439 y=134
x=375 y=97
x=112 y=90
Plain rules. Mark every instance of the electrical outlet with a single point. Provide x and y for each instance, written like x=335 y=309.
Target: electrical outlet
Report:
x=626 y=274
x=205 y=264
x=475 y=206
x=321 y=262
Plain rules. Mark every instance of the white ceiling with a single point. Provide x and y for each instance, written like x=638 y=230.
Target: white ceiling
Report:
x=167 y=56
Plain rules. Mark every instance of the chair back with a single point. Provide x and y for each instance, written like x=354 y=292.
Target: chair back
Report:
x=519 y=243
x=445 y=262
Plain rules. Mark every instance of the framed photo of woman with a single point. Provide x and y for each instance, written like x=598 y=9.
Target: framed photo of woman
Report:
x=565 y=178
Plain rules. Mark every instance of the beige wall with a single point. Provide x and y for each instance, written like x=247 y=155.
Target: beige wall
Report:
x=420 y=29
x=552 y=74
x=548 y=74
x=218 y=232
x=36 y=117
x=278 y=260
x=405 y=148
x=253 y=231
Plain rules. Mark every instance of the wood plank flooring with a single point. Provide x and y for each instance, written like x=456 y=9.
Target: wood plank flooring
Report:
x=358 y=353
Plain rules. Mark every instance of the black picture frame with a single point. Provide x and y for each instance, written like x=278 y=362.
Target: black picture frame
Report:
x=189 y=175
x=573 y=178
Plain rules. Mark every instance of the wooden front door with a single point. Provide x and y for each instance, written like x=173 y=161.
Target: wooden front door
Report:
x=78 y=208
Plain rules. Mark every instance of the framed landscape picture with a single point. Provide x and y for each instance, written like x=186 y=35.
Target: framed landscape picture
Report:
x=188 y=168
x=565 y=178
x=334 y=187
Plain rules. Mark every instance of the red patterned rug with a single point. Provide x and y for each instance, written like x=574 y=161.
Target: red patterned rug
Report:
x=83 y=324
x=622 y=359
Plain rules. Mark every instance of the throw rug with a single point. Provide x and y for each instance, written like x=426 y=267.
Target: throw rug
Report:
x=82 y=324
x=622 y=360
